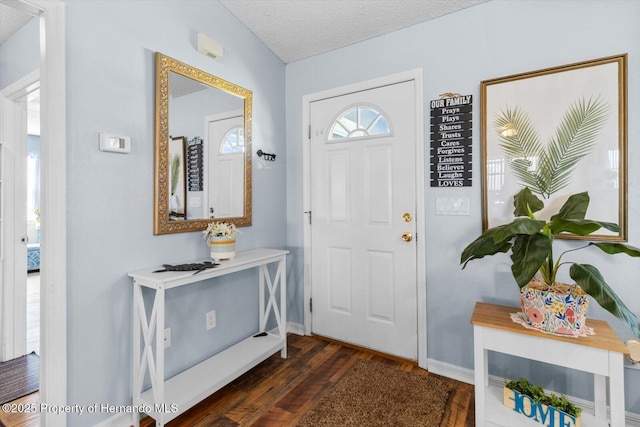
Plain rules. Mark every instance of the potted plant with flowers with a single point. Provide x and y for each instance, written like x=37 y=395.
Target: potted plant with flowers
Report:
x=221 y=239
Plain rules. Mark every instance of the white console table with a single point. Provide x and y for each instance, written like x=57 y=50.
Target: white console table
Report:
x=600 y=354
x=166 y=399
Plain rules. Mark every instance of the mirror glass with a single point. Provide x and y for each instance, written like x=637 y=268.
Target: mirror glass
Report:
x=203 y=149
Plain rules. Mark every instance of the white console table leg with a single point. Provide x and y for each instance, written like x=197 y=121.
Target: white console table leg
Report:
x=267 y=284
x=158 y=307
x=282 y=271
x=135 y=383
x=149 y=359
x=616 y=389
x=600 y=396
x=480 y=373
x=265 y=310
x=264 y=314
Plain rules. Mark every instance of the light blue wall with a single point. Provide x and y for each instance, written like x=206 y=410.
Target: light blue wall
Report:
x=110 y=197
x=456 y=52
x=110 y=88
x=20 y=54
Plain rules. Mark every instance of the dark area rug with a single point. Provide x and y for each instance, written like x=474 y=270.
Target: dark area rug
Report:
x=19 y=377
x=373 y=394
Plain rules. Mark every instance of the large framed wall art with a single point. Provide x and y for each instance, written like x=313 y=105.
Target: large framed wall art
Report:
x=558 y=131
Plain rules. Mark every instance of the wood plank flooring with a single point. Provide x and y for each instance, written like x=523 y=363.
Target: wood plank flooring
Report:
x=278 y=392
x=22 y=418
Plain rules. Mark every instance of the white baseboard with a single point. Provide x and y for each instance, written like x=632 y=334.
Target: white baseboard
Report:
x=450 y=371
x=295 y=328
x=466 y=376
x=118 y=420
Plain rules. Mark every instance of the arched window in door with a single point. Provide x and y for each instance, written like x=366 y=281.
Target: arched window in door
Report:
x=233 y=141
x=360 y=121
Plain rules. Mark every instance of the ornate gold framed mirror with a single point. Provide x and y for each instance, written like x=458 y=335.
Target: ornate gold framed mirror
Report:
x=202 y=149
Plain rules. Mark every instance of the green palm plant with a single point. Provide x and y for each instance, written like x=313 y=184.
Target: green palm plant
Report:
x=530 y=241
x=547 y=170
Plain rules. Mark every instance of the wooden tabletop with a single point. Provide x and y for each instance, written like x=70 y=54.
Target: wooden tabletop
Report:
x=498 y=317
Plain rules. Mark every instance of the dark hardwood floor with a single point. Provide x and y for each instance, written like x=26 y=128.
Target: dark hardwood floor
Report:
x=278 y=392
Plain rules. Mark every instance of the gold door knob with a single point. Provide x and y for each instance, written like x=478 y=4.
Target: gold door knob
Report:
x=407 y=217
x=407 y=237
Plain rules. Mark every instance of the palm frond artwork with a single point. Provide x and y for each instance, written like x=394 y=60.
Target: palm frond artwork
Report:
x=548 y=169
x=175 y=170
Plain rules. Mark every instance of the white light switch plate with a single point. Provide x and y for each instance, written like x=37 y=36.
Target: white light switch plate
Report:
x=115 y=143
x=452 y=206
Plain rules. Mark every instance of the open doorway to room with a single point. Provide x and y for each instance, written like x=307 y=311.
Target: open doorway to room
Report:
x=20 y=214
x=20 y=374
x=50 y=61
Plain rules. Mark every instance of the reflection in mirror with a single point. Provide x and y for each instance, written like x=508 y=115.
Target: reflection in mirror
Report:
x=203 y=149
x=177 y=178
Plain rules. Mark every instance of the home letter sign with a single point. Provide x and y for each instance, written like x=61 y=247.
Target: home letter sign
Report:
x=535 y=411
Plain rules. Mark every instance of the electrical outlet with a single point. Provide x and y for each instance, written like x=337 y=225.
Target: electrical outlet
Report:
x=167 y=338
x=211 y=320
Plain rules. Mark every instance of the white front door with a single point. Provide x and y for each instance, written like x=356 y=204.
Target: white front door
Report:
x=363 y=204
x=226 y=166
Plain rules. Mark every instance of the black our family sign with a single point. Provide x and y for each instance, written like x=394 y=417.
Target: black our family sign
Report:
x=450 y=151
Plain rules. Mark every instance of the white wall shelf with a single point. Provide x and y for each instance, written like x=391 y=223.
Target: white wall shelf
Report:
x=168 y=398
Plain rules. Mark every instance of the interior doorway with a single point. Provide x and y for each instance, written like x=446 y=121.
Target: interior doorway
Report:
x=50 y=15
x=20 y=237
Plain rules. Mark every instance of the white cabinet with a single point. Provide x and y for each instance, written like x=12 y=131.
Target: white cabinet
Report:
x=166 y=399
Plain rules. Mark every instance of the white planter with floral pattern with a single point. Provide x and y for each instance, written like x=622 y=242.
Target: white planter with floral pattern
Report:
x=561 y=309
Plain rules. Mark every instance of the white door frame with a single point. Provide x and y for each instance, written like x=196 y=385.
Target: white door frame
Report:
x=53 y=246
x=411 y=75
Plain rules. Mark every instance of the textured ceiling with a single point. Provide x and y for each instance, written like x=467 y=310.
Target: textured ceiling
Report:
x=10 y=21
x=297 y=29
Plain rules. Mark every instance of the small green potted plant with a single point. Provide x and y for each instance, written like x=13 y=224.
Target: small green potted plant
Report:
x=531 y=401
x=557 y=308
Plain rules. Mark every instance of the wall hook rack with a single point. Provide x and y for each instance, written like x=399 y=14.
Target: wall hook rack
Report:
x=267 y=156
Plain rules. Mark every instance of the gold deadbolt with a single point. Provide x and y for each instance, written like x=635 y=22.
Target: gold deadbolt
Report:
x=407 y=237
x=407 y=217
